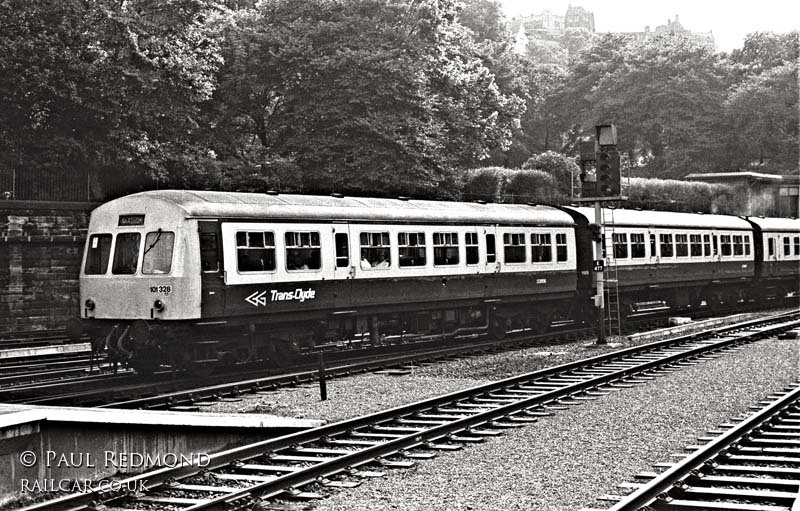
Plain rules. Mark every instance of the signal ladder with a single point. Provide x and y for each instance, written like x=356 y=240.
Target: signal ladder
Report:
x=611 y=277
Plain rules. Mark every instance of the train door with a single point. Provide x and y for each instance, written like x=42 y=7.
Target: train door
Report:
x=773 y=251
x=211 y=274
x=490 y=239
x=344 y=266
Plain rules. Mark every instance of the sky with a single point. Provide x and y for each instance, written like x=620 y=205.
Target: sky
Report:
x=729 y=21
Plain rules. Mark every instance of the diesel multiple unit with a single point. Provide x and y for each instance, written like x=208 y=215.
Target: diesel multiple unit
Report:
x=197 y=279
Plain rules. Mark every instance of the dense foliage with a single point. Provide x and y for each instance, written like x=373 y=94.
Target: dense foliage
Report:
x=380 y=97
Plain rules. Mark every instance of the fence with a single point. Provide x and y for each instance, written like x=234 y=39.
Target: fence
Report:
x=44 y=185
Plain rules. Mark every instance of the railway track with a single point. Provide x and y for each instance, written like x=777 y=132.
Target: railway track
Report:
x=751 y=464
x=340 y=455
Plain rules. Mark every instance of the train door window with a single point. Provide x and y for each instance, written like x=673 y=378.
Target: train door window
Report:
x=471 y=242
x=375 y=250
x=411 y=249
x=771 y=246
x=653 y=245
x=637 y=245
x=255 y=251
x=157 y=258
x=445 y=248
x=787 y=247
x=303 y=251
x=695 y=246
x=725 y=244
x=541 y=249
x=491 y=249
x=126 y=253
x=738 y=245
x=666 y=245
x=342 y=250
x=747 y=245
x=714 y=240
x=796 y=245
x=97 y=254
x=561 y=247
x=682 y=245
x=209 y=254
x=514 y=247
x=620 y=241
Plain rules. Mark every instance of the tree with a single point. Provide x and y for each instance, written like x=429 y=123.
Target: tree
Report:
x=563 y=169
x=365 y=96
x=104 y=85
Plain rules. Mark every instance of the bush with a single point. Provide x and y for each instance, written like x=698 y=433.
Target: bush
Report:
x=562 y=168
x=486 y=184
x=682 y=196
x=532 y=186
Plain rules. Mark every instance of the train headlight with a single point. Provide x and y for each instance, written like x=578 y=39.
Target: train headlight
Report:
x=89 y=304
x=158 y=305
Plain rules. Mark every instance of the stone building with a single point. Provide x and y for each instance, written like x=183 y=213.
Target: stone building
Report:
x=767 y=194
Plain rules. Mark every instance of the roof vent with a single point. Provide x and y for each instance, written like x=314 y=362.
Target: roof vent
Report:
x=532 y=204
x=638 y=209
x=272 y=192
x=700 y=212
x=337 y=195
x=480 y=201
x=403 y=197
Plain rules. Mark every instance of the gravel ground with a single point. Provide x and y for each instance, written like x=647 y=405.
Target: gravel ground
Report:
x=561 y=462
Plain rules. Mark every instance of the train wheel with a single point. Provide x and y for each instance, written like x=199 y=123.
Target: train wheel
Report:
x=146 y=361
x=498 y=327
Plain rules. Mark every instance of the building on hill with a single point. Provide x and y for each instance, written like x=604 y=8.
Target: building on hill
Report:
x=579 y=18
x=767 y=194
x=705 y=39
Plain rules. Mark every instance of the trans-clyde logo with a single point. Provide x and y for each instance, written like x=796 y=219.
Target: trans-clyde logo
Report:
x=261 y=298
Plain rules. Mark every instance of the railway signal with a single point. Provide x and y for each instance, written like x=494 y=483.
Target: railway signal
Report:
x=608 y=173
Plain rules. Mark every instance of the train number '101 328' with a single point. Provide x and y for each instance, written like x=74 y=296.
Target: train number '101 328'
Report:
x=161 y=289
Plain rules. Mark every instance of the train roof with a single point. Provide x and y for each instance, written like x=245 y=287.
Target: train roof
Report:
x=777 y=224
x=641 y=218
x=260 y=206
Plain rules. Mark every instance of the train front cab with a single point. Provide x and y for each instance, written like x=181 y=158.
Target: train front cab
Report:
x=136 y=276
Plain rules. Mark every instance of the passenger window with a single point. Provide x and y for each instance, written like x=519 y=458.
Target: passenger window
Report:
x=747 y=245
x=342 y=250
x=126 y=253
x=209 y=255
x=787 y=247
x=738 y=245
x=514 y=247
x=541 y=251
x=620 y=245
x=771 y=245
x=303 y=251
x=97 y=254
x=157 y=257
x=411 y=248
x=725 y=244
x=681 y=245
x=471 y=242
x=695 y=246
x=706 y=245
x=637 y=245
x=561 y=247
x=796 y=245
x=491 y=249
x=255 y=251
x=375 y=250
x=445 y=248
x=666 y=245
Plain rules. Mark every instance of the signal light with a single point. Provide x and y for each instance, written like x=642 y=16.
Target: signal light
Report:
x=608 y=175
x=596 y=231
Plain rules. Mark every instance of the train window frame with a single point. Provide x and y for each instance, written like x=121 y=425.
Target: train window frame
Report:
x=95 y=242
x=771 y=246
x=115 y=270
x=491 y=248
x=446 y=249
x=205 y=249
x=653 y=245
x=305 y=247
x=747 y=245
x=619 y=241
x=665 y=240
x=638 y=250
x=738 y=245
x=384 y=247
x=562 y=249
x=706 y=245
x=160 y=237
x=695 y=245
x=797 y=245
x=541 y=247
x=514 y=241
x=787 y=246
x=341 y=249
x=725 y=245
x=404 y=243
x=244 y=244
x=472 y=249
x=681 y=245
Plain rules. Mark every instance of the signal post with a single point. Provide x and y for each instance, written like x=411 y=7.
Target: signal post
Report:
x=606 y=186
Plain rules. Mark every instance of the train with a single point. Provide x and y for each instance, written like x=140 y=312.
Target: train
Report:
x=201 y=279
